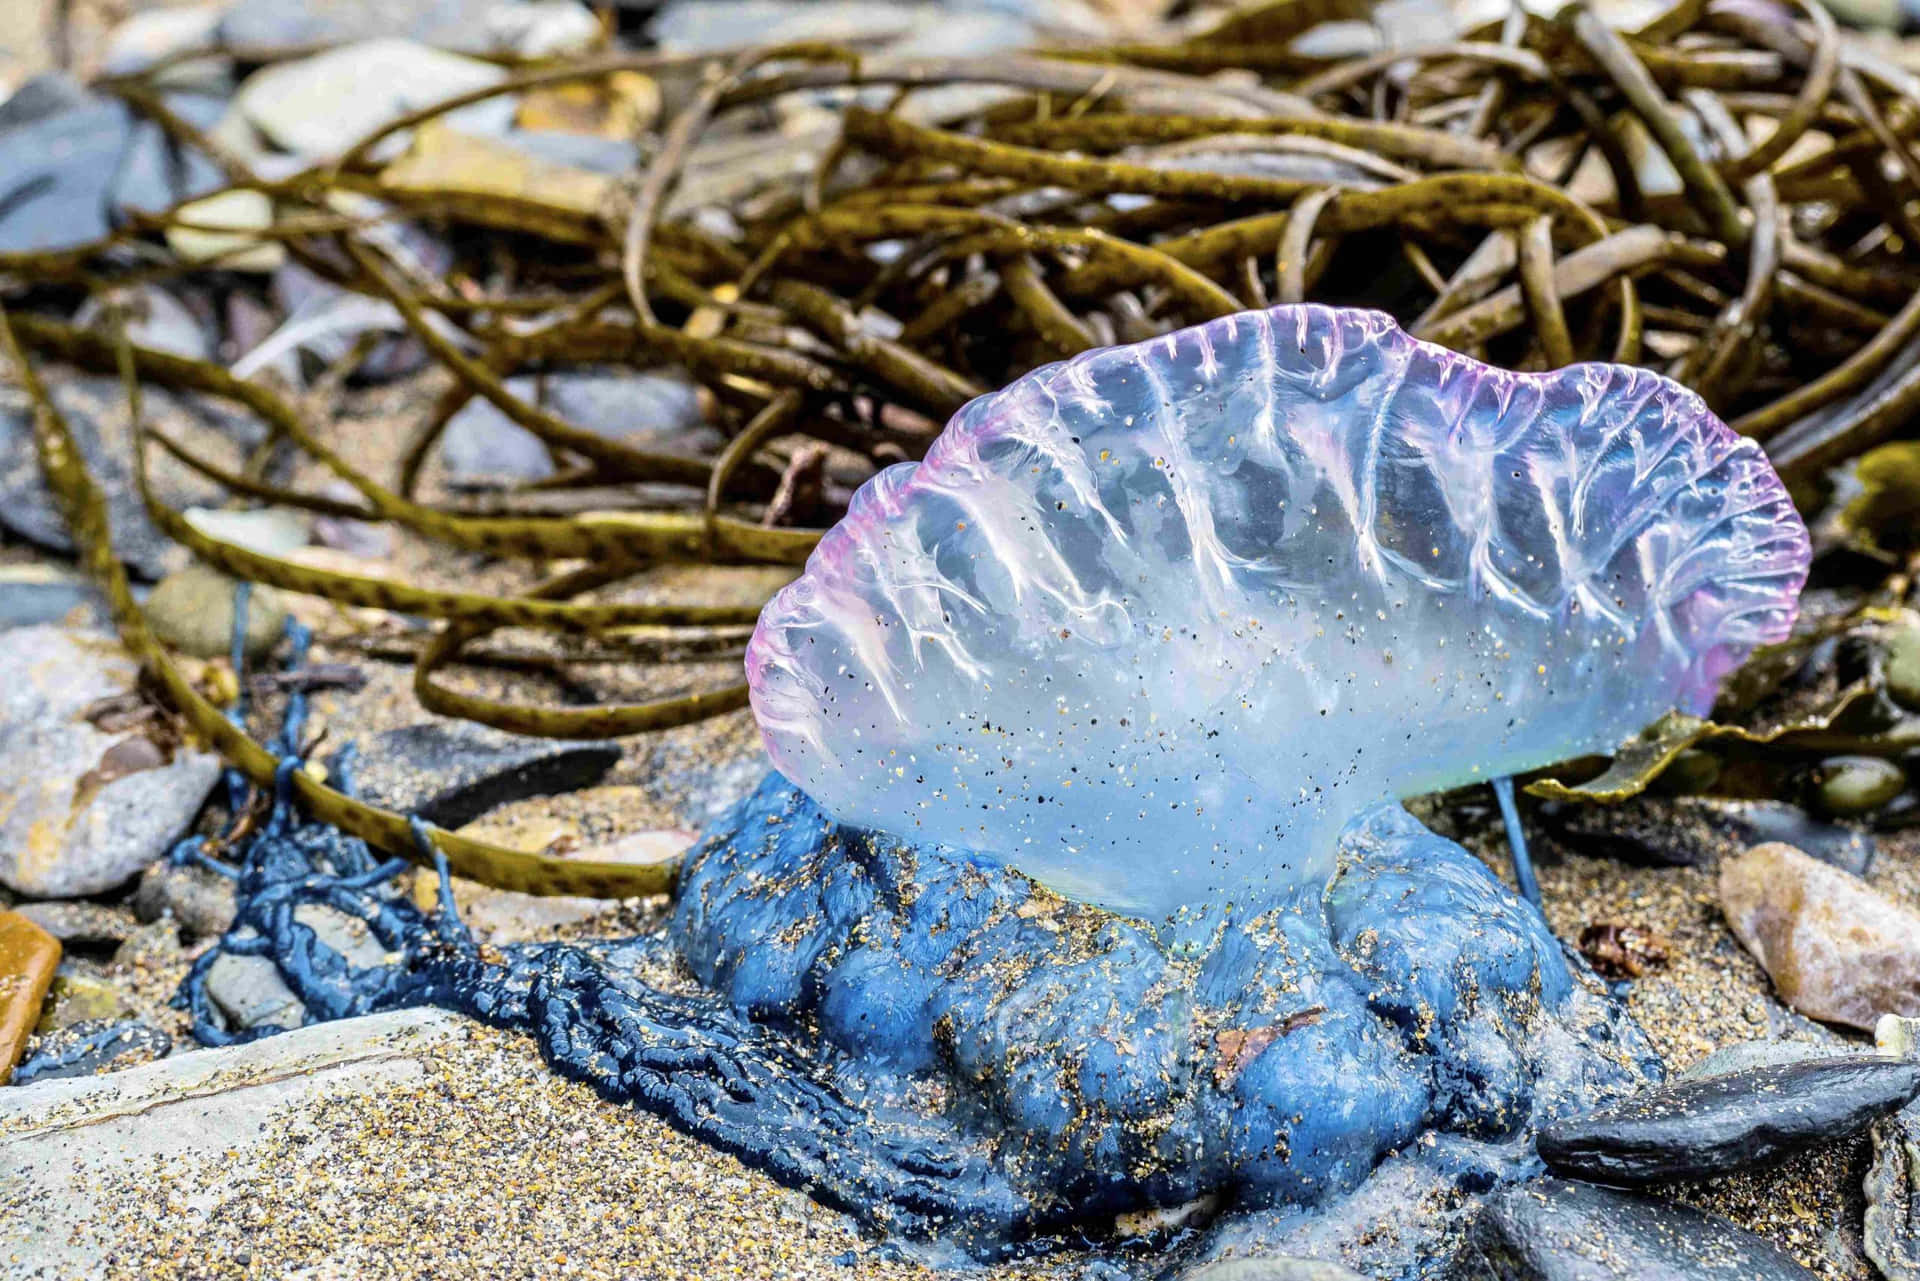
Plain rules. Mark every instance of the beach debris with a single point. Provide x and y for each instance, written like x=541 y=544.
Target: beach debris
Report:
x=28 y=955
x=1836 y=949
x=1620 y=951
x=83 y=810
x=1712 y=1125
x=1561 y=1230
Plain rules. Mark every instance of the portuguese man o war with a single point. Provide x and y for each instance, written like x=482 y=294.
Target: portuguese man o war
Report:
x=1151 y=624
x=1080 y=890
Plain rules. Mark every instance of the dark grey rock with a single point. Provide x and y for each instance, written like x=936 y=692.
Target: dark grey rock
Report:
x=1891 y=1225
x=47 y=94
x=199 y=901
x=451 y=772
x=29 y=596
x=95 y=409
x=250 y=993
x=90 y=1048
x=1557 y=1230
x=1712 y=1125
x=70 y=161
x=1694 y=831
x=657 y=411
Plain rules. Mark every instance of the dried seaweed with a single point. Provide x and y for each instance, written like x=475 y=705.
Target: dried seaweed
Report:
x=1504 y=194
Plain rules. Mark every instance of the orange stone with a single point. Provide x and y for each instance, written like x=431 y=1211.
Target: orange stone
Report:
x=28 y=955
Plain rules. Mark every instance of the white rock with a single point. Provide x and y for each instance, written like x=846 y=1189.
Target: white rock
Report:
x=318 y=107
x=155 y=35
x=242 y=212
x=270 y=531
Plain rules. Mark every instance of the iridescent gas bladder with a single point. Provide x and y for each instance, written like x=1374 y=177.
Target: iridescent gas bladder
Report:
x=1153 y=623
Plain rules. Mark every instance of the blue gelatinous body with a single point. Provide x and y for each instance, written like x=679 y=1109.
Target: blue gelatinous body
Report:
x=1278 y=1056
x=1152 y=624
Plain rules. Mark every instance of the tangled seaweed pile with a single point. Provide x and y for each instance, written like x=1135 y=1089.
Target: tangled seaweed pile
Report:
x=1723 y=194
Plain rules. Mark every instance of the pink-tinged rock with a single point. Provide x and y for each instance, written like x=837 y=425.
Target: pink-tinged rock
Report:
x=1837 y=949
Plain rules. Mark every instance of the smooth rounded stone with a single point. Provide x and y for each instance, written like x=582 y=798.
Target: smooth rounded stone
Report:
x=249 y=993
x=28 y=957
x=1275 y=1055
x=75 y=998
x=349 y=936
x=1850 y=786
x=650 y=410
x=1713 y=1125
x=1836 y=949
x=226 y=229
x=1901 y=664
x=1890 y=1228
x=1143 y=622
x=317 y=107
x=1689 y=772
x=200 y=901
x=451 y=772
x=271 y=531
x=192 y=610
x=80 y=922
x=155 y=35
x=91 y=1048
x=1559 y=1230
x=463 y=26
x=1270 y=1269
x=64 y=834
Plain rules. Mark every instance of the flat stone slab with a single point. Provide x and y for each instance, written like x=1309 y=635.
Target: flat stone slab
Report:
x=1558 y=1230
x=62 y=1140
x=1712 y=1125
